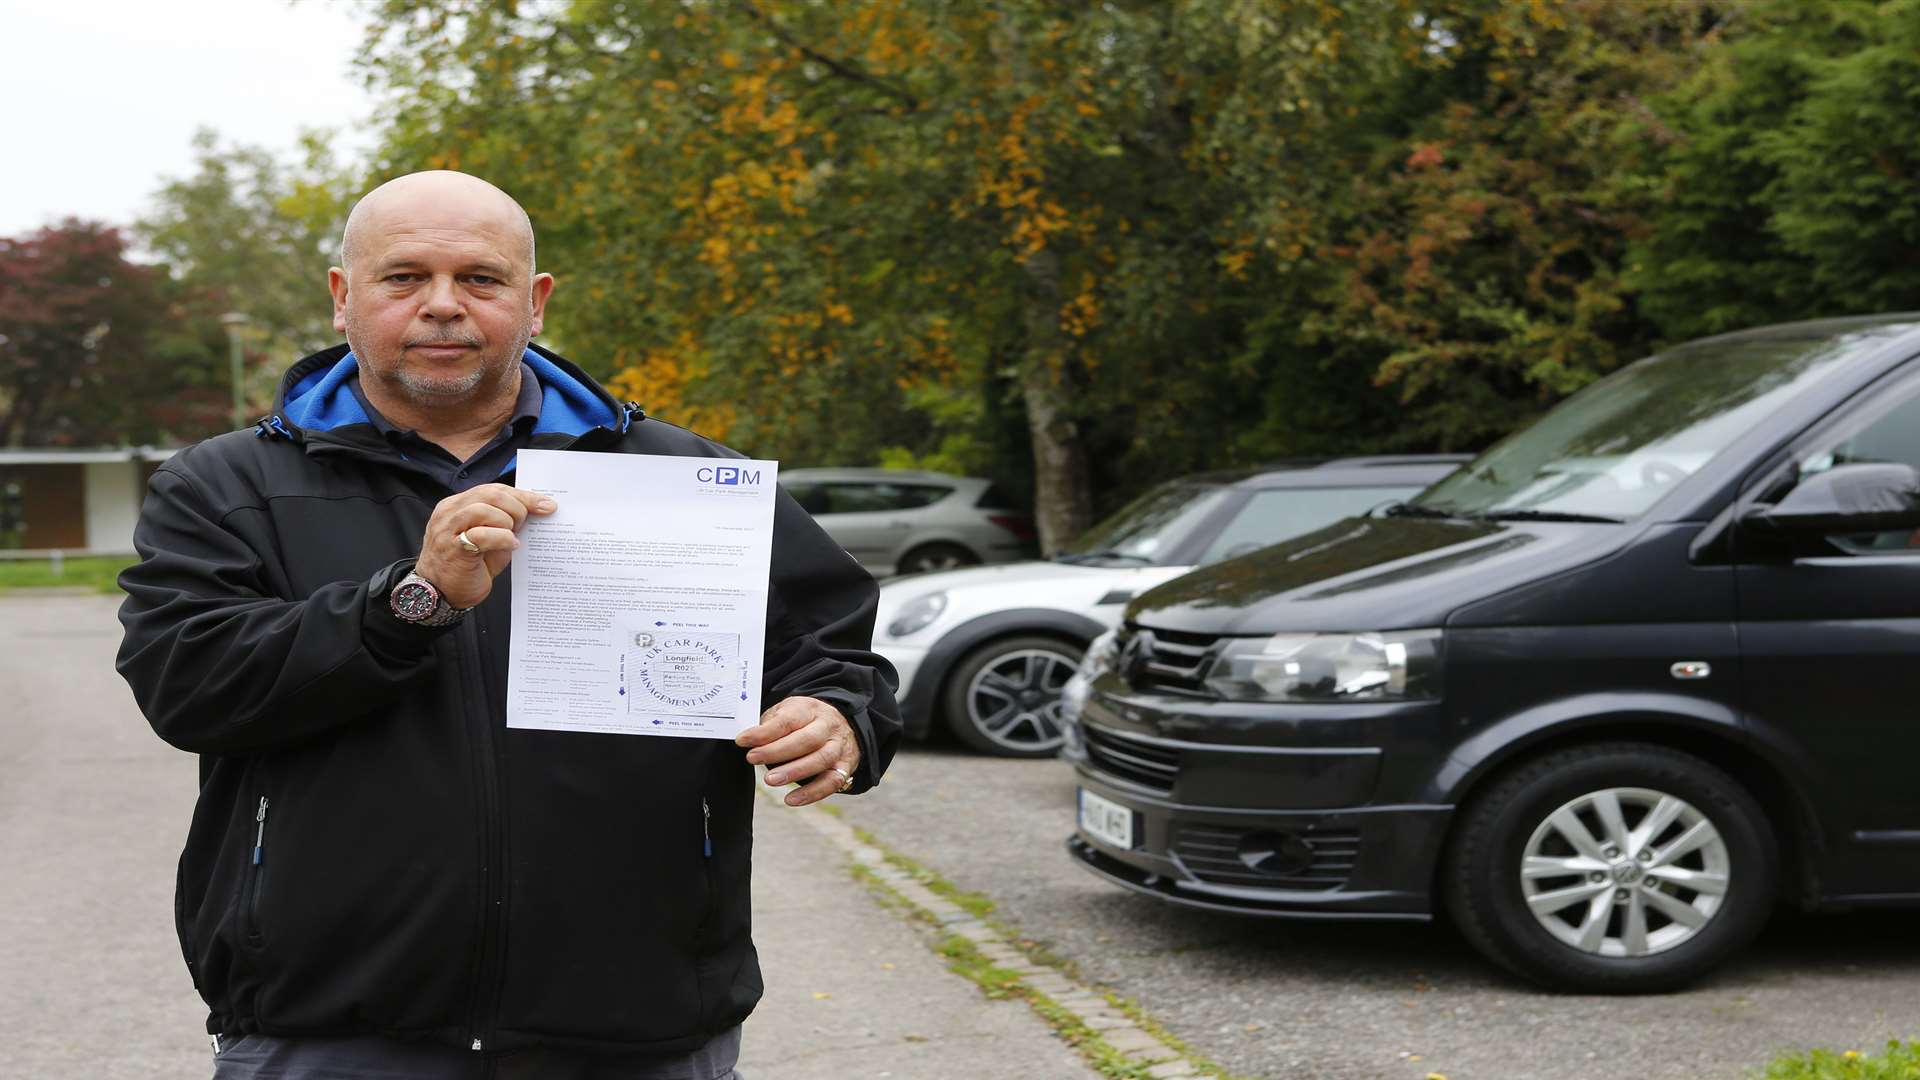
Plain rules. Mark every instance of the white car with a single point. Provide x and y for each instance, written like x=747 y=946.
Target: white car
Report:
x=987 y=649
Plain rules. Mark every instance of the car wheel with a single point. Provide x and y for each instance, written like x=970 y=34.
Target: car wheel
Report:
x=1004 y=697
x=1612 y=868
x=930 y=557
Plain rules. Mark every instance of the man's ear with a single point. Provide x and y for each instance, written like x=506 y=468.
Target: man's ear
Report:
x=337 y=285
x=542 y=288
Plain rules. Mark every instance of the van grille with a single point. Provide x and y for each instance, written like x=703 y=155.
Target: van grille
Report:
x=1148 y=764
x=1213 y=855
x=1167 y=660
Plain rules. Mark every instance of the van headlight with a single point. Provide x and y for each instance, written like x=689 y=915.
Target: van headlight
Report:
x=917 y=614
x=1097 y=660
x=1399 y=665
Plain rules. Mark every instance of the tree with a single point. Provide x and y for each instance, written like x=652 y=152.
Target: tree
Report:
x=82 y=358
x=249 y=233
x=1788 y=182
x=813 y=227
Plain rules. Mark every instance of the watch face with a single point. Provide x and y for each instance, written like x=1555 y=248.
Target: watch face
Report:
x=414 y=600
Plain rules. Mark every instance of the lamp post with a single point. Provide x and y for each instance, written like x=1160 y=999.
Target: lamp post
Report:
x=233 y=321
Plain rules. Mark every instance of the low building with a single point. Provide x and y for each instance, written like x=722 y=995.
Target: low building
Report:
x=76 y=502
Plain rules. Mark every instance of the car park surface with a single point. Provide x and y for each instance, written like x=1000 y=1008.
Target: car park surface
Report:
x=1605 y=696
x=986 y=650
x=898 y=521
x=1284 y=1000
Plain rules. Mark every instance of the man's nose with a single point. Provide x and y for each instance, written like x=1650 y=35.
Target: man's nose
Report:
x=442 y=300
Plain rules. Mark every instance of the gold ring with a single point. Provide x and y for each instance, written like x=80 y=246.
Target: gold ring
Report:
x=846 y=778
x=472 y=548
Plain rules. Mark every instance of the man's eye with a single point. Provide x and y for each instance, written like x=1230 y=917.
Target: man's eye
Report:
x=403 y=279
x=482 y=279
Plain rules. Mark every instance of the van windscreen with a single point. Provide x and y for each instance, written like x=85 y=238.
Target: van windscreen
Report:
x=1615 y=448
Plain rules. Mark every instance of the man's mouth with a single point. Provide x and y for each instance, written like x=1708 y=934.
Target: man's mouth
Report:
x=441 y=349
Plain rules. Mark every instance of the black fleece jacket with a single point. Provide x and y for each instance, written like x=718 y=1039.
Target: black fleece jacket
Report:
x=373 y=850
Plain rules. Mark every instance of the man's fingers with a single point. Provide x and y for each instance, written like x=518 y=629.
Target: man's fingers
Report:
x=823 y=785
x=491 y=538
x=802 y=767
x=792 y=746
x=514 y=502
x=784 y=718
x=477 y=514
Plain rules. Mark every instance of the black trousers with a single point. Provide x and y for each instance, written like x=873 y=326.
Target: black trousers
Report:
x=266 y=1057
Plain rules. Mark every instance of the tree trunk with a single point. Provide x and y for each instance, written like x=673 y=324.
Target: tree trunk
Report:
x=1063 y=505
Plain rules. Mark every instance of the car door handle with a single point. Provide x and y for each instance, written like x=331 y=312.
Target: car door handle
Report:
x=899 y=524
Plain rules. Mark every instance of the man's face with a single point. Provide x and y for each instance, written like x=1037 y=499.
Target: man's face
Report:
x=440 y=301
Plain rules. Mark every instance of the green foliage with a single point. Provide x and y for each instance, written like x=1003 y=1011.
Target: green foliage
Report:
x=250 y=234
x=1900 y=1062
x=1787 y=181
x=1086 y=247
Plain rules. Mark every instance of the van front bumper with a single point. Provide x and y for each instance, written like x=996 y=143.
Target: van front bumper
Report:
x=1265 y=822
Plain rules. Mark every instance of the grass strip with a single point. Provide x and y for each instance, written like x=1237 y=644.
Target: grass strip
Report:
x=94 y=573
x=1900 y=1062
x=965 y=959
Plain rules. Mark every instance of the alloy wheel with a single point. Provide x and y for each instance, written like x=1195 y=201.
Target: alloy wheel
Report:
x=1014 y=701
x=1625 y=871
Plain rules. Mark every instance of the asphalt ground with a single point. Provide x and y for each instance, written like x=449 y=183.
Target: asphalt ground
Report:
x=1329 y=1001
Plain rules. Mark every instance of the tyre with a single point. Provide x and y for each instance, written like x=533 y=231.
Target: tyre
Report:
x=1611 y=868
x=937 y=556
x=1004 y=697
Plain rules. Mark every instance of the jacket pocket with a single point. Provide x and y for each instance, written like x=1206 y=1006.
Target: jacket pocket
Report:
x=254 y=882
x=183 y=920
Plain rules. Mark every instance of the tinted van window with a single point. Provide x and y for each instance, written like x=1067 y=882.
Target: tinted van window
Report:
x=1272 y=516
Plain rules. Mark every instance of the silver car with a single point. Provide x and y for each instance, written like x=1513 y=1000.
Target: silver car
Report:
x=897 y=521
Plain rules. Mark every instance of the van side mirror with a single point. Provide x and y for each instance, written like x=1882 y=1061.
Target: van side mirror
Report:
x=1847 y=498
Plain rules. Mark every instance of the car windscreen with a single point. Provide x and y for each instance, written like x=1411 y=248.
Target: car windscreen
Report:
x=1143 y=531
x=1282 y=514
x=1614 y=449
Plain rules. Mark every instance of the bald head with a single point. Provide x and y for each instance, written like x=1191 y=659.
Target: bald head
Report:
x=439 y=194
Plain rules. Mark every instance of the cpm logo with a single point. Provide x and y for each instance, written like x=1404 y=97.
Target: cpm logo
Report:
x=727 y=474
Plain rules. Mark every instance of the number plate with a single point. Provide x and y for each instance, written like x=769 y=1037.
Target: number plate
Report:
x=1105 y=820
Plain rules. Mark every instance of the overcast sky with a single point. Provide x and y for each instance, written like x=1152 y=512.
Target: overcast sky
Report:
x=102 y=97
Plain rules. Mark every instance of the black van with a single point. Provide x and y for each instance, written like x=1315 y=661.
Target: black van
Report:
x=1605 y=696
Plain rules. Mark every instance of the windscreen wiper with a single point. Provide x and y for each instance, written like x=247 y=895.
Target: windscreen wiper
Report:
x=1088 y=556
x=1547 y=515
x=1414 y=510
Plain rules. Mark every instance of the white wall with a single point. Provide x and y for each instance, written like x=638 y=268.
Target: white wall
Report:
x=113 y=504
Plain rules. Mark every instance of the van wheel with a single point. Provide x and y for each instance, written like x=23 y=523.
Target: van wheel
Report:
x=1612 y=868
x=1004 y=697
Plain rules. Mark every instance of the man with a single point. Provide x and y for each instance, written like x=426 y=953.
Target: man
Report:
x=381 y=879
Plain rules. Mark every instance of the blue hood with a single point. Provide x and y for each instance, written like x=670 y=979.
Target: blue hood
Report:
x=321 y=400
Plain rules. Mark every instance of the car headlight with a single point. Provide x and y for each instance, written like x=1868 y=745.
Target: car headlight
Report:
x=1399 y=665
x=918 y=614
x=1073 y=696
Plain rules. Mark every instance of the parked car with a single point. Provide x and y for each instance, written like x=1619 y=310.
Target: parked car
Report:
x=1604 y=696
x=988 y=649
x=900 y=522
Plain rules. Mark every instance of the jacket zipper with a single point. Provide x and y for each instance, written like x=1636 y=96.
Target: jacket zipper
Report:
x=255 y=869
x=490 y=970
x=706 y=826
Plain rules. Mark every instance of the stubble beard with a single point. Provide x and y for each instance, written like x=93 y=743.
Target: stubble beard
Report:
x=430 y=391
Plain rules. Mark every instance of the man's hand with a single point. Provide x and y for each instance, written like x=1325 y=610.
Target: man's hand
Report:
x=488 y=514
x=799 y=738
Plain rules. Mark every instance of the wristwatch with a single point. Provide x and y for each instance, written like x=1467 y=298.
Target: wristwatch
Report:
x=416 y=601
